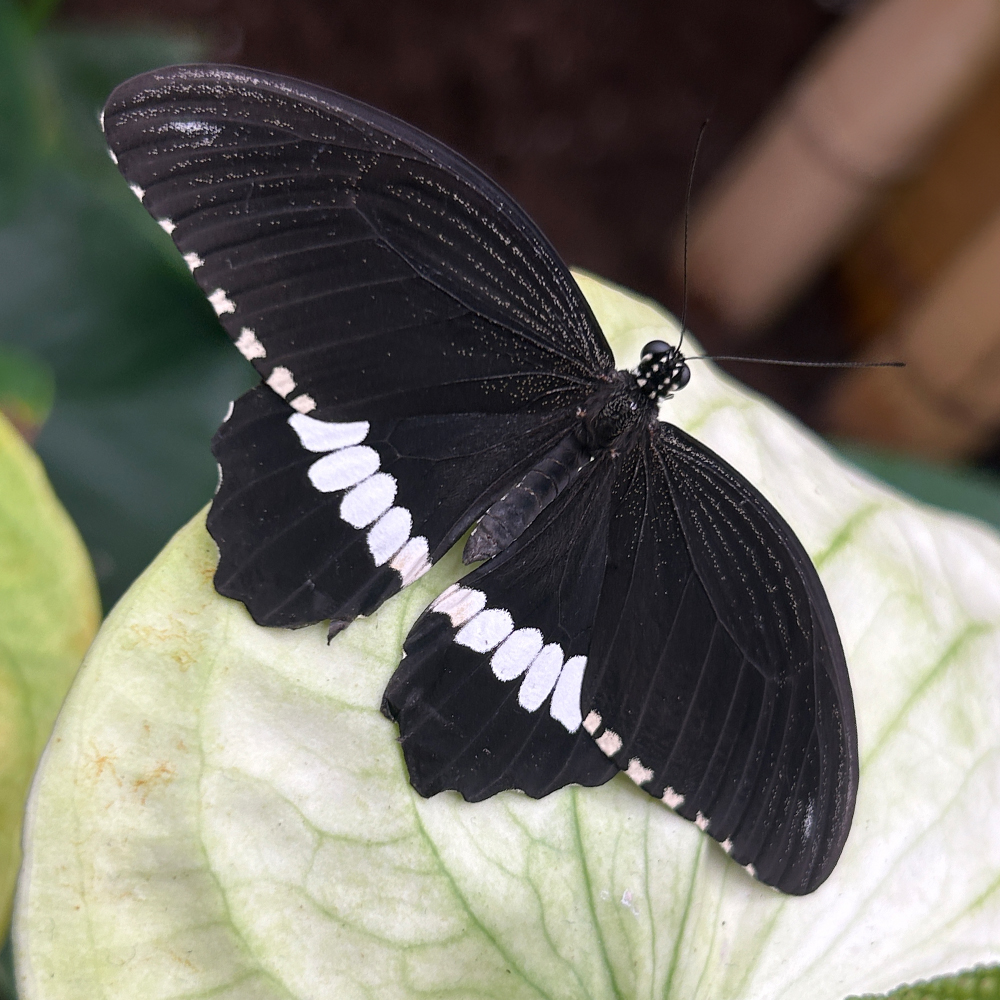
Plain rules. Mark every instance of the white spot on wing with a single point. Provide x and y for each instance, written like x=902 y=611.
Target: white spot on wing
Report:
x=325 y=435
x=727 y=846
x=389 y=533
x=167 y=225
x=411 y=561
x=750 y=870
x=281 y=381
x=486 y=630
x=610 y=742
x=229 y=411
x=565 y=707
x=114 y=159
x=218 y=485
x=304 y=403
x=701 y=822
x=137 y=191
x=592 y=723
x=248 y=345
x=369 y=500
x=541 y=677
x=343 y=468
x=514 y=655
x=459 y=604
x=193 y=261
x=672 y=799
x=639 y=774
x=100 y=119
x=221 y=303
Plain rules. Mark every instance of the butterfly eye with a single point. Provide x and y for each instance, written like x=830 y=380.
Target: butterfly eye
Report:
x=681 y=377
x=655 y=347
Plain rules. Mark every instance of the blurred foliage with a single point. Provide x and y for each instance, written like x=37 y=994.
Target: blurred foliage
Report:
x=94 y=293
x=27 y=389
x=973 y=492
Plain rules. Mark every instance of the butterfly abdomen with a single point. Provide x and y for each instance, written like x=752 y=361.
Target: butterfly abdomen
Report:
x=508 y=518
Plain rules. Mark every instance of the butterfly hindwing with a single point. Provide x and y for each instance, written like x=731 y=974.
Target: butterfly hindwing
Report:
x=487 y=696
x=366 y=270
x=716 y=677
x=326 y=519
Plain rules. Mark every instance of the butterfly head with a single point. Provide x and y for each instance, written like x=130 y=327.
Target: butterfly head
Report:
x=662 y=370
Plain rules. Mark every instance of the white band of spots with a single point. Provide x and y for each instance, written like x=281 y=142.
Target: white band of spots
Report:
x=344 y=468
x=389 y=534
x=592 y=723
x=350 y=465
x=486 y=630
x=323 y=435
x=517 y=652
x=221 y=303
x=459 y=604
x=541 y=677
x=369 y=500
x=412 y=560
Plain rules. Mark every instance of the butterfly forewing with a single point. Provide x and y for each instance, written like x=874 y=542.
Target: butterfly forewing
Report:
x=325 y=519
x=365 y=270
x=757 y=748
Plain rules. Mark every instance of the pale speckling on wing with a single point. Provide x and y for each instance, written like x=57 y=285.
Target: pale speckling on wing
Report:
x=672 y=799
x=460 y=604
x=193 y=262
x=609 y=742
x=639 y=774
x=221 y=303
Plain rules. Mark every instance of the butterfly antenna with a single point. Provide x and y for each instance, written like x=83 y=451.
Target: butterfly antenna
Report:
x=687 y=226
x=799 y=364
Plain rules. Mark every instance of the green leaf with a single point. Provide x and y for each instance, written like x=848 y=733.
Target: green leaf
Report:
x=224 y=812
x=48 y=615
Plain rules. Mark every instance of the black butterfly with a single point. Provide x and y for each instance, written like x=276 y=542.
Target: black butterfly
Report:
x=429 y=364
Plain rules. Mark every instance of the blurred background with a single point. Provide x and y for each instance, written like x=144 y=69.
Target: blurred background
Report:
x=846 y=205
